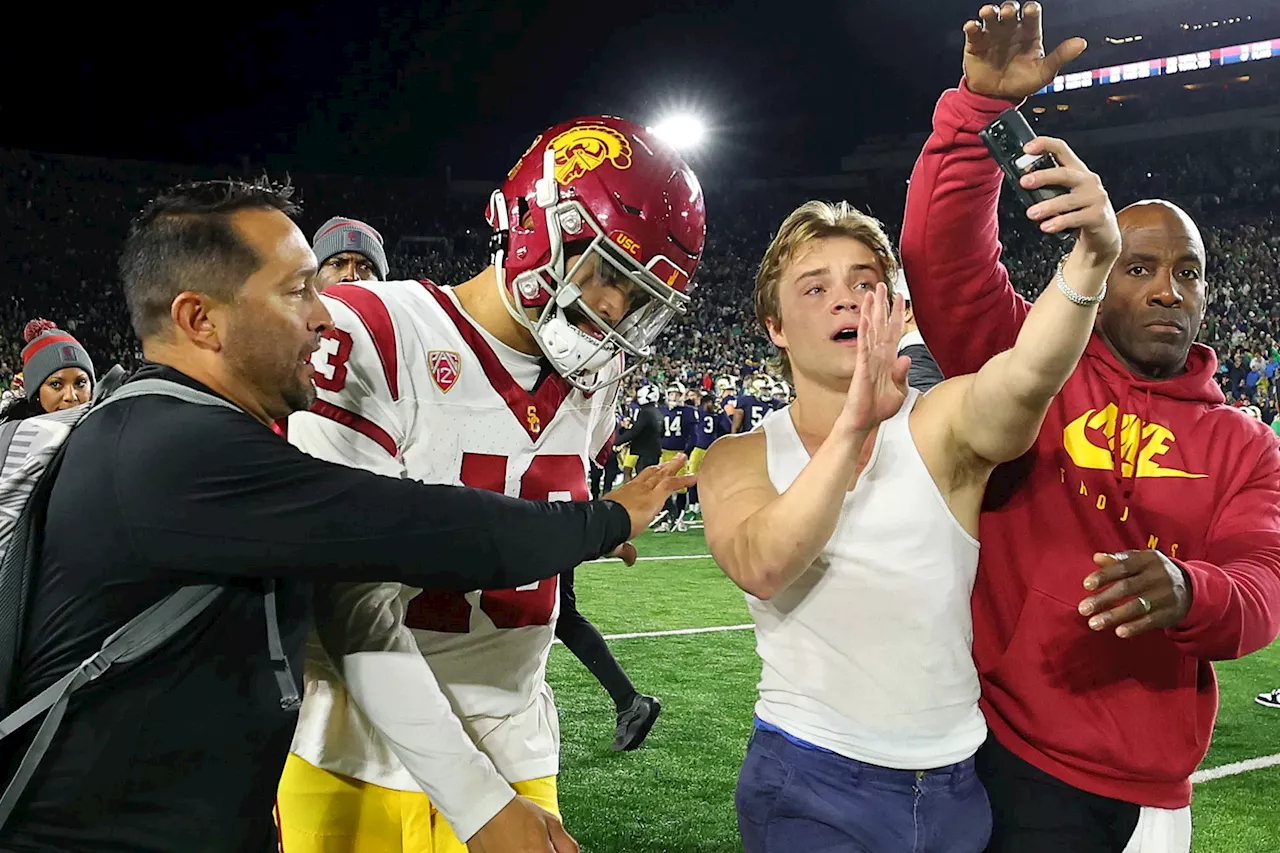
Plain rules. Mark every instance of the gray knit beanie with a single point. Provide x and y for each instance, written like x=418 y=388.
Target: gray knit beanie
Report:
x=340 y=234
x=49 y=349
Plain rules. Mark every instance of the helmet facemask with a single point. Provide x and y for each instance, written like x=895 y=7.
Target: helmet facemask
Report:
x=547 y=299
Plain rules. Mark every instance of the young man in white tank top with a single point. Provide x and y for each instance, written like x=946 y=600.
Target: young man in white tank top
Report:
x=850 y=519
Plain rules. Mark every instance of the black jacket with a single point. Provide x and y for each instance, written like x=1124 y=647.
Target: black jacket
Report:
x=924 y=372
x=645 y=435
x=182 y=751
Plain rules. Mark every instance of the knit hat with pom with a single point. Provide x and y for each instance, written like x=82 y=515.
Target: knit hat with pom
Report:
x=48 y=350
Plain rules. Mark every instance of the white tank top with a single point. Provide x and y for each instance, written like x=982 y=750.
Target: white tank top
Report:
x=867 y=653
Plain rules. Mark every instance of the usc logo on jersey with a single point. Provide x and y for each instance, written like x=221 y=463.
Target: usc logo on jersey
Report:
x=535 y=425
x=584 y=149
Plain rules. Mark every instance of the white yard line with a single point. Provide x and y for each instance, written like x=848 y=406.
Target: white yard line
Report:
x=679 y=632
x=1235 y=769
x=1200 y=776
x=650 y=559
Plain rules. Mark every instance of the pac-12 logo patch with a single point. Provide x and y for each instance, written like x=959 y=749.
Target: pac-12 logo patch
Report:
x=444 y=365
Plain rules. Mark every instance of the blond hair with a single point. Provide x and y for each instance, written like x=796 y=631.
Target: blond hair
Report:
x=815 y=220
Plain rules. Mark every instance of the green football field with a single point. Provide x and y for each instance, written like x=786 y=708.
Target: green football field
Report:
x=675 y=794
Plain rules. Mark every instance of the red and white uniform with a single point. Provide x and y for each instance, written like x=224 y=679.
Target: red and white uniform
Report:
x=409 y=386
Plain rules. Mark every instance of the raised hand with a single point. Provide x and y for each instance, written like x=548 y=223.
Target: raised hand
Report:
x=1004 y=52
x=879 y=382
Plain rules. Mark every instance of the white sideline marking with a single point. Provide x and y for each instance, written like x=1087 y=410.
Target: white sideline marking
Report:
x=649 y=559
x=679 y=632
x=1200 y=776
x=1235 y=769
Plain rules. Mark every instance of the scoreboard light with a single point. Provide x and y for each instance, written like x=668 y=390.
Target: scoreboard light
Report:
x=1198 y=61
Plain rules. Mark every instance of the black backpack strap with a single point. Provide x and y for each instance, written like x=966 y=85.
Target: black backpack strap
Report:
x=139 y=637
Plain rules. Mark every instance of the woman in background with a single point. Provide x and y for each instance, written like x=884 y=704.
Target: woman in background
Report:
x=57 y=373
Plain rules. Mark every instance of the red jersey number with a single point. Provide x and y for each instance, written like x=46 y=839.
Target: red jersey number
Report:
x=331 y=361
x=550 y=477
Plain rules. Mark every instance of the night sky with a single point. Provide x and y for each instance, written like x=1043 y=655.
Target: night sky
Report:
x=412 y=88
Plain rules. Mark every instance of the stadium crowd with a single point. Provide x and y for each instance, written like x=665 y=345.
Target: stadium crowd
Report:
x=67 y=217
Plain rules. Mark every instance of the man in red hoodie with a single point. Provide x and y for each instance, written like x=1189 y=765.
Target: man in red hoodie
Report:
x=1138 y=540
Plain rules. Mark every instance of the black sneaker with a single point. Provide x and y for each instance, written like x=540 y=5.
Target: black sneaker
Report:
x=635 y=722
x=1270 y=699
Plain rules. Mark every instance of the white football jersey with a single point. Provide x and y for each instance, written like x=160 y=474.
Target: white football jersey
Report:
x=409 y=386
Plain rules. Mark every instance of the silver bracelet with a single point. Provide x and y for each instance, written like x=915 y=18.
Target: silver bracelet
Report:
x=1085 y=301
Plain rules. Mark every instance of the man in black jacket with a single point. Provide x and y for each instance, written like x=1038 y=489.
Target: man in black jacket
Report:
x=645 y=434
x=181 y=751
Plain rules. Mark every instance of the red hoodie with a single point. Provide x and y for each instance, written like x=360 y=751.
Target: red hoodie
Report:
x=1126 y=719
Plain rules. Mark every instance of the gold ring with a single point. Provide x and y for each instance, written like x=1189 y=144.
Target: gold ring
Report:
x=1146 y=605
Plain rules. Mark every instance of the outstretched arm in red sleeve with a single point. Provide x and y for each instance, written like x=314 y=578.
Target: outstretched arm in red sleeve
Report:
x=965 y=306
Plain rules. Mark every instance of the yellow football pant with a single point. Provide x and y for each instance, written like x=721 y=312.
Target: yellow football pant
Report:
x=667 y=456
x=322 y=812
x=695 y=459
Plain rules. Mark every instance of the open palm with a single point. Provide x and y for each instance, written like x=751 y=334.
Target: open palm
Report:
x=880 y=376
x=1004 y=52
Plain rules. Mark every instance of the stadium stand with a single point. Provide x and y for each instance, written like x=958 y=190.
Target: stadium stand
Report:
x=67 y=217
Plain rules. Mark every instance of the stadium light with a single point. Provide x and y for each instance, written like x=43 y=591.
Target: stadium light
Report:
x=683 y=131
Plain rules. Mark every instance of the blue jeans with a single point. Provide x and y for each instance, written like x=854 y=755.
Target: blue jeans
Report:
x=794 y=797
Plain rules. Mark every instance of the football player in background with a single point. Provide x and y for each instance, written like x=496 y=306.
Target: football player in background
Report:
x=726 y=390
x=628 y=458
x=506 y=382
x=348 y=250
x=755 y=404
x=712 y=423
x=679 y=435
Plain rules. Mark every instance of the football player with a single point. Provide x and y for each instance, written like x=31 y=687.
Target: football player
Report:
x=712 y=423
x=679 y=434
x=506 y=382
x=629 y=459
x=755 y=404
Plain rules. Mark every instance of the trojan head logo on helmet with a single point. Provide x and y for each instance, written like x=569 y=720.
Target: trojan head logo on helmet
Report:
x=596 y=195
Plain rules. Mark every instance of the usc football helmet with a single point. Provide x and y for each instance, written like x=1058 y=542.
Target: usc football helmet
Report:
x=604 y=191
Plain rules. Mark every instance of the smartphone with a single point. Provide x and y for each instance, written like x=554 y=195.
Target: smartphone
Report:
x=1005 y=138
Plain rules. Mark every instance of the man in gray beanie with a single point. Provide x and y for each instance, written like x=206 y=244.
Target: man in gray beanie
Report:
x=348 y=250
